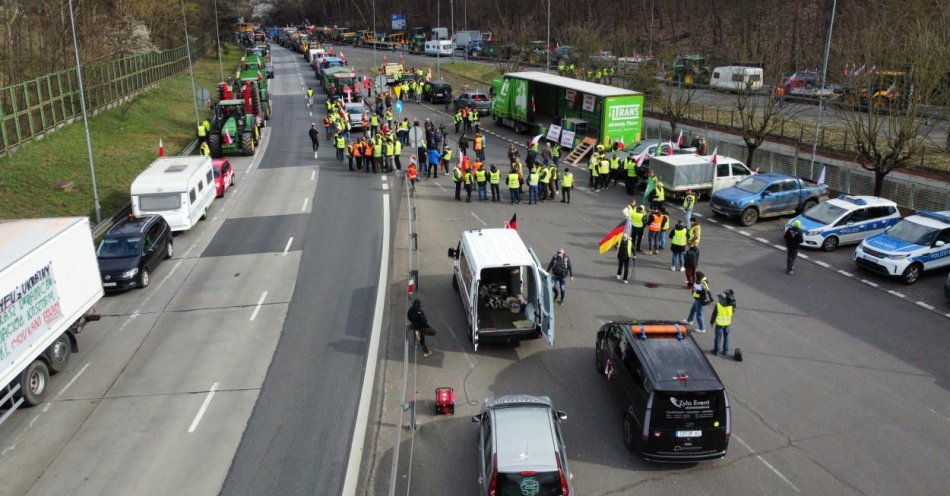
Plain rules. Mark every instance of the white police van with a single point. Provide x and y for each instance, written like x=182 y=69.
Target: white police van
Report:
x=917 y=243
x=846 y=219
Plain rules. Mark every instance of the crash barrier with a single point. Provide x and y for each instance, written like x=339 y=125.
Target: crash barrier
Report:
x=30 y=109
x=910 y=192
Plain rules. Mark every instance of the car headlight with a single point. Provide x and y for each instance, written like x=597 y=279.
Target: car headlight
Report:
x=734 y=203
x=130 y=273
x=811 y=233
x=897 y=256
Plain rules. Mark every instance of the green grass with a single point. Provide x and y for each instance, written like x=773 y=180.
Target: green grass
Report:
x=124 y=142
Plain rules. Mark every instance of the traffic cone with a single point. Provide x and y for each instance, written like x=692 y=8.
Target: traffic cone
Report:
x=161 y=149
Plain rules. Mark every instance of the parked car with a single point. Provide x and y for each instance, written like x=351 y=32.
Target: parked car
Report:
x=520 y=446
x=846 y=219
x=917 y=243
x=223 y=175
x=438 y=91
x=474 y=100
x=131 y=250
x=767 y=195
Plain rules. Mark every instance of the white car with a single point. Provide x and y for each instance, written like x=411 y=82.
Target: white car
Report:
x=846 y=219
x=355 y=112
x=917 y=243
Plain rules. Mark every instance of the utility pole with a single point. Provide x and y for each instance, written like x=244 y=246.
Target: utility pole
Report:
x=217 y=39
x=547 y=48
x=191 y=67
x=85 y=120
x=452 y=24
x=821 y=95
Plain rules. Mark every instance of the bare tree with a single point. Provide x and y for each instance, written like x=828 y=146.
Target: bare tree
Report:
x=673 y=101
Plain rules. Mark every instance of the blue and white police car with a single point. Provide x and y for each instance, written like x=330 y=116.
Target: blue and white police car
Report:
x=917 y=243
x=845 y=219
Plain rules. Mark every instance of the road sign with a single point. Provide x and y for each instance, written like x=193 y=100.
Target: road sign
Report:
x=399 y=22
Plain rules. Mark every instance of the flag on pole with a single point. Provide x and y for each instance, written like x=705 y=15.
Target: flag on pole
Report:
x=227 y=138
x=513 y=223
x=671 y=148
x=161 y=148
x=612 y=238
x=715 y=153
x=640 y=157
x=536 y=138
x=821 y=177
x=679 y=140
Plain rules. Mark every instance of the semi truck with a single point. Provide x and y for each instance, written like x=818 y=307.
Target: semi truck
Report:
x=49 y=283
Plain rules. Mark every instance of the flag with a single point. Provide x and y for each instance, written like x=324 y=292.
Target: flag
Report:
x=227 y=138
x=713 y=158
x=608 y=242
x=620 y=145
x=641 y=156
x=513 y=223
x=821 y=177
x=161 y=148
x=536 y=138
x=671 y=148
x=679 y=140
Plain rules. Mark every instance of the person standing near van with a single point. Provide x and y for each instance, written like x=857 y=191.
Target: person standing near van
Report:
x=625 y=255
x=494 y=179
x=678 y=246
x=560 y=268
x=688 y=203
x=420 y=325
x=701 y=297
x=722 y=319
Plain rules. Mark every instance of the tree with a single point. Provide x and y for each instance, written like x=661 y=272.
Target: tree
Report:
x=673 y=101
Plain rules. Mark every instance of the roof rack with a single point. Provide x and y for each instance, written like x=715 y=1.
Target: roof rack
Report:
x=659 y=329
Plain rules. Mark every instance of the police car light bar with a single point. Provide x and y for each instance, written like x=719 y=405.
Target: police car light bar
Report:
x=851 y=199
x=941 y=216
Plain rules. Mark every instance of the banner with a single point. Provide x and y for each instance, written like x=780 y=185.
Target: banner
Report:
x=589 y=101
x=570 y=95
x=567 y=139
x=554 y=133
x=27 y=312
x=623 y=118
x=399 y=22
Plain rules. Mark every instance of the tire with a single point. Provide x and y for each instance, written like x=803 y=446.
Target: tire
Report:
x=34 y=382
x=59 y=353
x=912 y=273
x=830 y=243
x=811 y=202
x=144 y=278
x=214 y=143
x=169 y=250
x=629 y=434
x=247 y=143
x=455 y=283
x=749 y=216
x=265 y=109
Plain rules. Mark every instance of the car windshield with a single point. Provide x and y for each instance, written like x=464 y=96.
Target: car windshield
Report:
x=824 y=213
x=913 y=233
x=217 y=172
x=159 y=203
x=532 y=483
x=479 y=98
x=120 y=247
x=751 y=185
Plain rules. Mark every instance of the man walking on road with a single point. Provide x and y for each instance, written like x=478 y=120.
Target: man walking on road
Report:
x=793 y=239
x=314 y=138
x=560 y=268
x=420 y=325
x=567 y=184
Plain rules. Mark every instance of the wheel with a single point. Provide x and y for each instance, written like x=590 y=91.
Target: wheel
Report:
x=33 y=383
x=455 y=283
x=811 y=202
x=144 y=278
x=247 y=143
x=59 y=353
x=204 y=214
x=830 y=243
x=169 y=250
x=912 y=273
x=629 y=433
x=214 y=144
x=749 y=216
x=265 y=108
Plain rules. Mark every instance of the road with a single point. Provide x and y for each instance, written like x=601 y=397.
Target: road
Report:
x=843 y=389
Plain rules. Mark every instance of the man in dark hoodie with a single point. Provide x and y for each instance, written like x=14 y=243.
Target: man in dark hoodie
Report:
x=421 y=326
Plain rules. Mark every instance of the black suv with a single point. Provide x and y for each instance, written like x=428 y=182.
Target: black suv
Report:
x=674 y=407
x=438 y=91
x=132 y=249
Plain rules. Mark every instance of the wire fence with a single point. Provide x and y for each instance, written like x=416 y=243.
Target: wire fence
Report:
x=909 y=192
x=30 y=109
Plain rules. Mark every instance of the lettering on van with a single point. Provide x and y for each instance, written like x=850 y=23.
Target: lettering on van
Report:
x=690 y=404
x=625 y=112
x=27 y=311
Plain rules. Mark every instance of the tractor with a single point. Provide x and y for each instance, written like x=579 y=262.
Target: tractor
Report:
x=689 y=70
x=233 y=129
x=255 y=79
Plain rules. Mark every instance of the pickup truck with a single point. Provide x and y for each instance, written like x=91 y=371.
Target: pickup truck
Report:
x=767 y=195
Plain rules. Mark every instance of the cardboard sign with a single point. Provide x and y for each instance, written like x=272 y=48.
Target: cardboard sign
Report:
x=567 y=139
x=589 y=101
x=554 y=133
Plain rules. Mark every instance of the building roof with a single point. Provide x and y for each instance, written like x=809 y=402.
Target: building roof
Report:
x=497 y=248
x=575 y=84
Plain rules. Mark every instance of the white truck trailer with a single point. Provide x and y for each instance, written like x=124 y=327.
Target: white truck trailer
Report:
x=49 y=282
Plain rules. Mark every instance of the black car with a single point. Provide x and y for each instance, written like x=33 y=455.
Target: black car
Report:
x=438 y=92
x=132 y=249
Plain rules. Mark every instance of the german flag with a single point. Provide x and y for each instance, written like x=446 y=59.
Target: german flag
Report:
x=612 y=238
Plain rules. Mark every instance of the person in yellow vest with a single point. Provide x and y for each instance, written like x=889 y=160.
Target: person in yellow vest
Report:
x=695 y=231
x=202 y=133
x=637 y=218
x=567 y=184
x=310 y=97
x=340 y=146
x=494 y=179
x=659 y=195
x=688 y=203
x=654 y=225
x=377 y=153
x=545 y=179
x=603 y=171
x=533 y=179
x=458 y=120
x=468 y=178
x=205 y=149
x=397 y=145
x=473 y=120
x=665 y=227
x=374 y=122
x=389 y=118
x=722 y=319
x=614 y=169
x=457 y=179
x=678 y=246
x=514 y=186
x=593 y=165
x=389 y=149
x=552 y=183
x=624 y=256
x=481 y=180
x=630 y=182
x=349 y=153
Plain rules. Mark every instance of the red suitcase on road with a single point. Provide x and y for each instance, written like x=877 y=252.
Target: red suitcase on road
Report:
x=444 y=401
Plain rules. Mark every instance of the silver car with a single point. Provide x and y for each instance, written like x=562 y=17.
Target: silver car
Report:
x=474 y=100
x=520 y=448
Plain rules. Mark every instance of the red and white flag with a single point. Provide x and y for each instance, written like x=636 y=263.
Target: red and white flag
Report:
x=641 y=157
x=227 y=138
x=161 y=148
x=513 y=223
x=671 y=148
x=712 y=158
x=680 y=141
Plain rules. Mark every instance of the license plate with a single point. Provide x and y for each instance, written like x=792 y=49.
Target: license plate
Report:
x=689 y=433
x=108 y=284
x=871 y=259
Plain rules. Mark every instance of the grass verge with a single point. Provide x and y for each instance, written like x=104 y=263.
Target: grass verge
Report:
x=124 y=142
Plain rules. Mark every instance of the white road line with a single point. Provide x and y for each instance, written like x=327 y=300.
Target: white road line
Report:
x=304 y=207
x=823 y=264
x=714 y=221
x=385 y=187
x=258 y=307
x=128 y=321
x=441 y=187
x=895 y=293
x=925 y=305
x=935 y=412
x=802 y=255
x=369 y=373
x=727 y=226
x=745 y=233
x=845 y=273
x=384 y=178
x=762 y=240
x=204 y=407
x=869 y=283
x=71 y=381
x=287 y=248
x=782 y=248
x=767 y=464
x=313 y=174
x=479 y=219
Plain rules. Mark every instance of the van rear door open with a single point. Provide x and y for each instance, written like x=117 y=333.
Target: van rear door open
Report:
x=545 y=298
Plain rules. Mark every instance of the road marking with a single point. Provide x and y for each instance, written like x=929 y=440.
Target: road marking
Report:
x=479 y=219
x=384 y=178
x=385 y=187
x=762 y=240
x=845 y=273
x=925 y=305
x=714 y=221
x=313 y=174
x=895 y=293
x=744 y=233
x=803 y=256
x=287 y=248
x=767 y=464
x=869 y=283
x=303 y=208
x=369 y=373
x=70 y=383
x=727 y=226
x=935 y=412
x=823 y=264
x=204 y=407
x=258 y=307
x=780 y=248
x=128 y=321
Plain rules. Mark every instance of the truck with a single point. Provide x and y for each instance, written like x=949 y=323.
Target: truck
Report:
x=463 y=38
x=49 y=280
x=767 y=195
x=392 y=71
x=805 y=85
x=681 y=173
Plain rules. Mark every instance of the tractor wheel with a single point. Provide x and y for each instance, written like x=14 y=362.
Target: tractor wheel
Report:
x=265 y=109
x=214 y=144
x=247 y=143
x=688 y=79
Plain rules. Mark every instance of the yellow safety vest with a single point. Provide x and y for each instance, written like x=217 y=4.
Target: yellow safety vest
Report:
x=659 y=194
x=456 y=174
x=545 y=176
x=593 y=167
x=723 y=315
x=696 y=294
x=494 y=177
x=666 y=221
x=568 y=180
x=201 y=131
x=679 y=237
x=480 y=175
x=340 y=142
x=689 y=202
x=374 y=120
x=205 y=150
x=533 y=179
x=604 y=167
x=513 y=182
x=694 y=234
x=636 y=218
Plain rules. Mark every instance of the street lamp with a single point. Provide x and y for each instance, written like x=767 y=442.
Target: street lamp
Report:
x=85 y=121
x=547 y=48
x=821 y=95
x=438 y=43
x=374 y=33
x=217 y=39
x=191 y=68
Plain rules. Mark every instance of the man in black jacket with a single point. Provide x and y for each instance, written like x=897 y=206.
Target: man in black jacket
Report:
x=314 y=138
x=560 y=268
x=793 y=239
x=421 y=326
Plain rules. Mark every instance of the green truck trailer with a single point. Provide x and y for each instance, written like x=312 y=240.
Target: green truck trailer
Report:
x=532 y=101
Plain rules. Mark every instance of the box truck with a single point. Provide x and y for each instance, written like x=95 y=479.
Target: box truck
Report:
x=681 y=173
x=49 y=282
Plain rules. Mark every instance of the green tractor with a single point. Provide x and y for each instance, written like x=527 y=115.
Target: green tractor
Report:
x=254 y=76
x=232 y=129
x=689 y=70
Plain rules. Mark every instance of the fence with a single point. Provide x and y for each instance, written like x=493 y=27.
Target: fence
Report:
x=908 y=191
x=30 y=109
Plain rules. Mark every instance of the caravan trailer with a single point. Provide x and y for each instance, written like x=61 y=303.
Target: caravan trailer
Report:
x=736 y=78
x=439 y=48
x=180 y=189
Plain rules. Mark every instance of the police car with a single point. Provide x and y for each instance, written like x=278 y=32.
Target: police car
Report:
x=845 y=219
x=917 y=243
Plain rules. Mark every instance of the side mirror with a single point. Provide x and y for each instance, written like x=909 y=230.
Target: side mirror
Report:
x=476 y=419
x=453 y=253
x=939 y=243
x=561 y=415
x=766 y=193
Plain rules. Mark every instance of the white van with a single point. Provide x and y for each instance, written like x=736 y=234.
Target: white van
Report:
x=180 y=189
x=506 y=293
x=439 y=47
x=737 y=78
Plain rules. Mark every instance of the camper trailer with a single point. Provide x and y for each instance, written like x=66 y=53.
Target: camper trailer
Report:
x=736 y=78
x=180 y=189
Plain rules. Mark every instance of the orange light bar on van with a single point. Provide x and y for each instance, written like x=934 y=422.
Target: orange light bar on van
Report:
x=658 y=329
